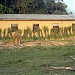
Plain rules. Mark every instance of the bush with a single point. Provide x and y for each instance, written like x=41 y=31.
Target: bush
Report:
x=27 y=33
x=4 y=33
x=46 y=31
x=9 y=33
x=0 y=33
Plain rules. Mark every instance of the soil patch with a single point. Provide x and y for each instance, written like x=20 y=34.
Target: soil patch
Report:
x=6 y=45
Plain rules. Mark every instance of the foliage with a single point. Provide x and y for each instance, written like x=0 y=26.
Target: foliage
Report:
x=60 y=32
x=46 y=31
x=73 y=29
x=27 y=33
x=56 y=8
x=5 y=10
x=20 y=31
x=24 y=35
x=54 y=33
x=0 y=33
x=9 y=33
x=29 y=6
x=69 y=30
x=4 y=32
x=36 y=6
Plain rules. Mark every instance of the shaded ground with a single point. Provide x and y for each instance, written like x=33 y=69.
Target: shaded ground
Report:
x=63 y=42
x=4 y=45
x=46 y=43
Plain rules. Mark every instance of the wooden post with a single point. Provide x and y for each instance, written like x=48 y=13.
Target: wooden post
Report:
x=60 y=68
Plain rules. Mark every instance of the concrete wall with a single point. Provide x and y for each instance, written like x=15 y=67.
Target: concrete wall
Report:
x=4 y=24
x=24 y=24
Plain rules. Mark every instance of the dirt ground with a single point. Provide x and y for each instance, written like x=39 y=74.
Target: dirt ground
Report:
x=5 y=45
x=46 y=43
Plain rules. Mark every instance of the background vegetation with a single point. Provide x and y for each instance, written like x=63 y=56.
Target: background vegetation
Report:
x=33 y=7
x=55 y=33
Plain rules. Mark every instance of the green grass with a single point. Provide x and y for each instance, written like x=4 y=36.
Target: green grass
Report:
x=32 y=60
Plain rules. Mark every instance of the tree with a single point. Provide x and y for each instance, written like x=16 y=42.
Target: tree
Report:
x=5 y=10
x=50 y=7
x=37 y=6
x=34 y=6
x=30 y=6
x=56 y=8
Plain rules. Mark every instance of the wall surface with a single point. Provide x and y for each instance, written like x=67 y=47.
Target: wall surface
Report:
x=24 y=24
